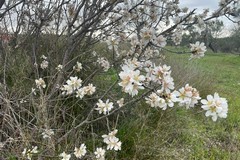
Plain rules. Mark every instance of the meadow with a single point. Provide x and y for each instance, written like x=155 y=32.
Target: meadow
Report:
x=178 y=133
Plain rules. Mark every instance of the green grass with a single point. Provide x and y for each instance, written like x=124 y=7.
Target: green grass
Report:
x=187 y=134
x=177 y=133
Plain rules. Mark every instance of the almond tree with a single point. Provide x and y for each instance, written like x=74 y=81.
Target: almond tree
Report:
x=55 y=86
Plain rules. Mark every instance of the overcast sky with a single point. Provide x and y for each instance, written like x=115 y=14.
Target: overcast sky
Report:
x=200 y=4
x=203 y=4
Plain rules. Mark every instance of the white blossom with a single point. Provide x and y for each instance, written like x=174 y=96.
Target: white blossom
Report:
x=80 y=93
x=177 y=36
x=65 y=156
x=94 y=53
x=59 y=67
x=104 y=107
x=44 y=57
x=34 y=149
x=120 y=102
x=131 y=80
x=1 y=145
x=47 y=133
x=23 y=101
x=112 y=141
x=89 y=89
x=67 y=89
x=147 y=35
x=170 y=99
x=73 y=84
x=159 y=72
x=167 y=84
x=28 y=153
x=113 y=144
x=78 y=67
x=104 y=63
x=156 y=101
x=33 y=91
x=40 y=83
x=187 y=96
x=44 y=64
x=161 y=41
x=81 y=151
x=132 y=63
x=198 y=49
x=215 y=106
x=100 y=154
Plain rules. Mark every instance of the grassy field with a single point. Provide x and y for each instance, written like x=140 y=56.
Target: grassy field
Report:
x=176 y=133
x=187 y=134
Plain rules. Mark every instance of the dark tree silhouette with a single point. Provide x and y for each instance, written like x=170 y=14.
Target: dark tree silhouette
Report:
x=1 y=3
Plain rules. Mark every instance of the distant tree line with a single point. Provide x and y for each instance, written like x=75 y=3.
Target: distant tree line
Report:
x=211 y=37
